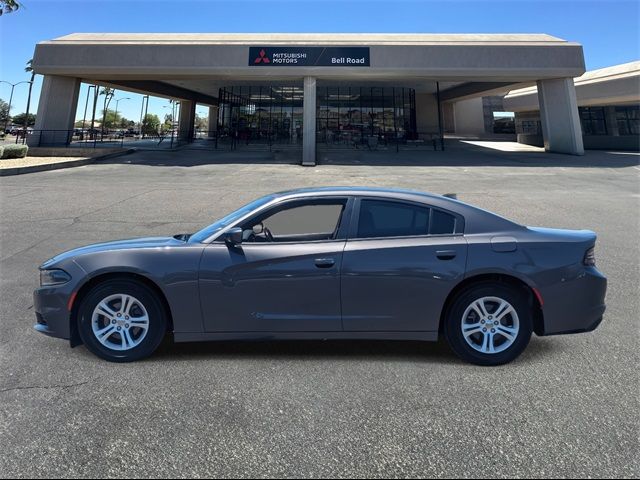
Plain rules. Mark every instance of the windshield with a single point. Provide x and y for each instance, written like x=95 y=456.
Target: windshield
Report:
x=206 y=232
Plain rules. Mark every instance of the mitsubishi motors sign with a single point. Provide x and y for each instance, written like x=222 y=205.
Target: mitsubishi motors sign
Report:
x=309 y=56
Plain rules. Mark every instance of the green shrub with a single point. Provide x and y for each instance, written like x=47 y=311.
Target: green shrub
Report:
x=14 y=151
x=1 y=150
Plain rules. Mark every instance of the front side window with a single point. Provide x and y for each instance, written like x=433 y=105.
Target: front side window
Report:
x=307 y=222
x=379 y=218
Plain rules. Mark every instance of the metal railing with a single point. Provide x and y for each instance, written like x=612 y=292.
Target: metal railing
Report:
x=95 y=139
x=226 y=140
x=388 y=140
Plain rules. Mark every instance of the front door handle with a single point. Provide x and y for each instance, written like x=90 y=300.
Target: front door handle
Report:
x=325 y=262
x=446 y=254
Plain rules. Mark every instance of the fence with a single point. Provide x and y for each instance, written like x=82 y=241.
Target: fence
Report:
x=97 y=139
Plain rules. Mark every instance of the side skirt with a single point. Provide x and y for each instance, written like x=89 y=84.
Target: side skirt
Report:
x=268 y=336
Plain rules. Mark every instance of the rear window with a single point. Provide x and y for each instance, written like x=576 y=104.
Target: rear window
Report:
x=380 y=218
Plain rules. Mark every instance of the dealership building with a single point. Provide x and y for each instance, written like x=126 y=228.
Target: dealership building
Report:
x=310 y=89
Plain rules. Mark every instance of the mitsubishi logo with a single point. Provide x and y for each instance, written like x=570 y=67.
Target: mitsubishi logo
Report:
x=262 y=58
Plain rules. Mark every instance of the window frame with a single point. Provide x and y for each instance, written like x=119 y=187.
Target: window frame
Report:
x=272 y=209
x=458 y=228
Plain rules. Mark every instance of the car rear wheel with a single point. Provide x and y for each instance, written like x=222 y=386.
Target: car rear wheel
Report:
x=489 y=324
x=121 y=320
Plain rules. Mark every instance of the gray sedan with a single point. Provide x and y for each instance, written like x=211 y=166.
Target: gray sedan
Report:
x=330 y=263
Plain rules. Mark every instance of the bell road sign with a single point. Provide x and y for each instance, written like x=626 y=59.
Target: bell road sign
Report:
x=309 y=56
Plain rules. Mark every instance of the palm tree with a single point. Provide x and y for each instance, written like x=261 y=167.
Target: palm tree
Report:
x=29 y=69
x=108 y=95
x=8 y=6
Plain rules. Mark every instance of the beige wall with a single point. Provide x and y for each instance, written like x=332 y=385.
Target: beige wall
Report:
x=426 y=113
x=469 y=117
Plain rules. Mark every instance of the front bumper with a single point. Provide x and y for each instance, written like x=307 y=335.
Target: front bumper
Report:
x=52 y=316
x=576 y=304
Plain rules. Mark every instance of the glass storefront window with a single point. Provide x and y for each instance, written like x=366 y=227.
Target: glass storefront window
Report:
x=592 y=120
x=345 y=114
x=628 y=119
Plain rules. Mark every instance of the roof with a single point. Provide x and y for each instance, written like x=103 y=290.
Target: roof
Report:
x=615 y=72
x=310 y=39
x=353 y=191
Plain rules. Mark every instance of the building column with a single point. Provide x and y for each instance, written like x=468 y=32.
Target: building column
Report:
x=309 y=122
x=213 y=122
x=187 y=120
x=561 y=129
x=56 y=111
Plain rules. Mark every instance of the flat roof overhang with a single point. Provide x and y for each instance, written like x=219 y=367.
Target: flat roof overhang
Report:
x=616 y=85
x=199 y=63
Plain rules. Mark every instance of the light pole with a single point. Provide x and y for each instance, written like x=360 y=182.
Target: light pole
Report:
x=13 y=85
x=124 y=98
x=145 y=99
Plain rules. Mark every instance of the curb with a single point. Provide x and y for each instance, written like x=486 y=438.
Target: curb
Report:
x=5 y=172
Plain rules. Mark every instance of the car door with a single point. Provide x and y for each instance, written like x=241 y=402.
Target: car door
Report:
x=400 y=262
x=287 y=283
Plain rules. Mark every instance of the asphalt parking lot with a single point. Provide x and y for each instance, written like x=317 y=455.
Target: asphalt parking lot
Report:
x=568 y=407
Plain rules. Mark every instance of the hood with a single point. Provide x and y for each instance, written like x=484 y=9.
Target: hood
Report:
x=148 y=242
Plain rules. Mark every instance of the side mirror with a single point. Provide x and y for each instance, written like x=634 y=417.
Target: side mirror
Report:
x=233 y=236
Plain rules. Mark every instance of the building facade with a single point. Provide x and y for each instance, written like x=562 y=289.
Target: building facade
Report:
x=313 y=88
x=608 y=107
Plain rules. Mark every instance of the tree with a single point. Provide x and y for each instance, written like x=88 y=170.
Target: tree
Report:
x=8 y=6
x=168 y=122
x=108 y=95
x=4 y=112
x=202 y=123
x=21 y=119
x=150 y=124
x=29 y=69
x=110 y=119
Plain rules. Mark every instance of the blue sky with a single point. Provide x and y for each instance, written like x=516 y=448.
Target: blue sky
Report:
x=608 y=29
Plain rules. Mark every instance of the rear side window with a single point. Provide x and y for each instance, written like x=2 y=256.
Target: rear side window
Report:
x=389 y=219
x=379 y=218
x=442 y=223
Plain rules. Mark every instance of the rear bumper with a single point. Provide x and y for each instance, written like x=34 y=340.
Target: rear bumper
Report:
x=575 y=305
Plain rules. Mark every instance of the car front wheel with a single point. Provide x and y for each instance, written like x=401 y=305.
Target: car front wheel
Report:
x=121 y=320
x=489 y=324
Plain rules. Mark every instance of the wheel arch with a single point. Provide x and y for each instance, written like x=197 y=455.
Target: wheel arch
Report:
x=96 y=280
x=518 y=283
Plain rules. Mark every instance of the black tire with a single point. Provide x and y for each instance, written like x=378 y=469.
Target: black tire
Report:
x=154 y=309
x=454 y=318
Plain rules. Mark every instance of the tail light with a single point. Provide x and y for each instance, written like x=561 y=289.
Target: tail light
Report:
x=590 y=258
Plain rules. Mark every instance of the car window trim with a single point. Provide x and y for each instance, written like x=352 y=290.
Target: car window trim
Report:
x=355 y=218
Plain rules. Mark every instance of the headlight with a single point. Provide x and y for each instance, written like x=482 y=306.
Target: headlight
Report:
x=49 y=278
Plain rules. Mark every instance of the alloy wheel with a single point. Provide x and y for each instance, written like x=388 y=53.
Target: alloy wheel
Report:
x=490 y=325
x=120 y=322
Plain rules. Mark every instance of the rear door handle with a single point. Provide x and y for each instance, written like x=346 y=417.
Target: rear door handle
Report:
x=325 y=262
x=446 y=254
